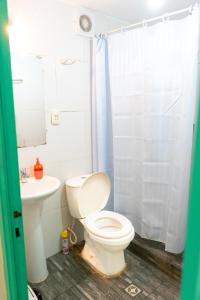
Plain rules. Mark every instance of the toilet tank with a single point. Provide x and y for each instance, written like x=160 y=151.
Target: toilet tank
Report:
x=87 y=194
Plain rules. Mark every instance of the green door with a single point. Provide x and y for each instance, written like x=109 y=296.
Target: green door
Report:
x=11 y=227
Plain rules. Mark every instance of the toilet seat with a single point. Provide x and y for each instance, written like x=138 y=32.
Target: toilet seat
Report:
x=113 y=242
x=108 y=225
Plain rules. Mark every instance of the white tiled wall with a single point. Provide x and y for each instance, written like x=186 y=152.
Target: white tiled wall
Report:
x=46 y=27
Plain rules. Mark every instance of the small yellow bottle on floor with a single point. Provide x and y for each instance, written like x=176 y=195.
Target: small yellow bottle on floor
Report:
x=65 y=241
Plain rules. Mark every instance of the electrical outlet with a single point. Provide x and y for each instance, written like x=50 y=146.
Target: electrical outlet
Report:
x=55 y=117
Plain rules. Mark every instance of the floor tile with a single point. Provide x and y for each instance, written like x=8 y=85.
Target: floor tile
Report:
x=71 y=278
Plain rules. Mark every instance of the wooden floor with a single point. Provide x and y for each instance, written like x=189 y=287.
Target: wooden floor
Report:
x=71 y=278
x=155 y=253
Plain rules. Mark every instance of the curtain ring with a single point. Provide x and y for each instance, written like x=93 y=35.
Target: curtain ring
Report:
x=144 y=23
x=122 y=29
x=193 y=6
x=165 y=17
x=103 y=35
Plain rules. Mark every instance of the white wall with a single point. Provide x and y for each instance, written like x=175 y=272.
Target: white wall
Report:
x=46 y=27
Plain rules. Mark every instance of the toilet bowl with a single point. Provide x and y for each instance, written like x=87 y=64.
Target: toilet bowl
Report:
x=107 y=234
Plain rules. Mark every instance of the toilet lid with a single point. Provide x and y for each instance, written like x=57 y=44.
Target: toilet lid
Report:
x=93 y=192
x=108 y=224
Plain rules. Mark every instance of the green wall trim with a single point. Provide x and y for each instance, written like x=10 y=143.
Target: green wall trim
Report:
x=191 y=266
x=13 y=247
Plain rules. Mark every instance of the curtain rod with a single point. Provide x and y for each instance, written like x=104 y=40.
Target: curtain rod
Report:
x=165 y=16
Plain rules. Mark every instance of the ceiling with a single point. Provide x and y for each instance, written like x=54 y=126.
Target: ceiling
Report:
x=132 y=10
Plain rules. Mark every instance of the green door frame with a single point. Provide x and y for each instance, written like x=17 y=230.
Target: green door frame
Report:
x=191 y=266
x=13 y=246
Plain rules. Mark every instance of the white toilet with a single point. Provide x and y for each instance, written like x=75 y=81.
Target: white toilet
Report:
x=107 y=234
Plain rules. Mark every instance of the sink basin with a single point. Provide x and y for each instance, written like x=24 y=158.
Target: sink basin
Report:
x=34 y=189
x=33 y=194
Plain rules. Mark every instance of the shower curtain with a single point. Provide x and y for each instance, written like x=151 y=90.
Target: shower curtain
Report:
x=153 y=76
x=102 y=147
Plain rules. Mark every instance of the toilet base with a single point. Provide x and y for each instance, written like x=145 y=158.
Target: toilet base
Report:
x=106 y=263
x=99 y=272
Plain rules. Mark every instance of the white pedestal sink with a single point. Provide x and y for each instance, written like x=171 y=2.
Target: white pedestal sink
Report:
x=33 y=193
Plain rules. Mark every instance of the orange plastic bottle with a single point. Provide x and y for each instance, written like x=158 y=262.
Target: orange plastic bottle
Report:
x=38 y=170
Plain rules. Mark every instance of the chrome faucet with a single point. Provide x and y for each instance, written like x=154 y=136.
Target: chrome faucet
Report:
x=24 y=175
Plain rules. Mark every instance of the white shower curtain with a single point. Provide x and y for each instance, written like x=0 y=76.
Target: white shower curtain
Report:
x=153 y=77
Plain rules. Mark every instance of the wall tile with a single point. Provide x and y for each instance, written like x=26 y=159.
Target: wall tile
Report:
x=47 y=29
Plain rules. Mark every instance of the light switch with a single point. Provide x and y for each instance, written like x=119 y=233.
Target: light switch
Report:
x=55 y=117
